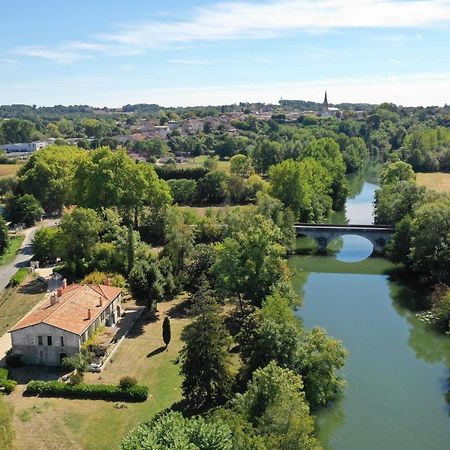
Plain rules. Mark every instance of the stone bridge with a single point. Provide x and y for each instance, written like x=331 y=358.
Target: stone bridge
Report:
x=378 y=235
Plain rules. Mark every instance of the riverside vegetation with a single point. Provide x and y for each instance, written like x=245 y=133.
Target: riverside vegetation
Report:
x=262 y=373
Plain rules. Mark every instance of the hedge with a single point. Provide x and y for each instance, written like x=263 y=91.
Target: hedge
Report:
x=19 y=277
x=190 y=173
x=6 y=385
x=137 y=393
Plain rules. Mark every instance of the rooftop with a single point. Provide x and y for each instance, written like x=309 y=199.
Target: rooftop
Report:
x=71 y=310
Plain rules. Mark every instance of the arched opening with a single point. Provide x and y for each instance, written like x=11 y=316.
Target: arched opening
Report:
x=351 y=248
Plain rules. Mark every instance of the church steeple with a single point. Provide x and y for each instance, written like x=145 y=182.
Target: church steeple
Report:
x=325 y=102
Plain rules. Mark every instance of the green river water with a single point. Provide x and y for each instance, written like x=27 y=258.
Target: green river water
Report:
x=397 y=370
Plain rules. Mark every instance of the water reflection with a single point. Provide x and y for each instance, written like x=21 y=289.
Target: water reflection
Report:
x=354 y=248
x=397 y=370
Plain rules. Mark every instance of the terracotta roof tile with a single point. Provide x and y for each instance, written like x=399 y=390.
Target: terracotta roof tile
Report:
x=70 y=313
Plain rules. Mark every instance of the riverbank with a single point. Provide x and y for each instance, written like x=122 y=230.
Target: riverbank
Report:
x=398 y=367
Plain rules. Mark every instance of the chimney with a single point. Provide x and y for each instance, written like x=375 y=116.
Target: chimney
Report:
x=108 y=282
x=59 y=291
x=64 y=283
x=53 y=299
x=101 y=302
x=89 y=314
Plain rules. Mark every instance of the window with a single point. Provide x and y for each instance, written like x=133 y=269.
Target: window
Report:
x=40 y=340
x=61 y=339
x=49 y=340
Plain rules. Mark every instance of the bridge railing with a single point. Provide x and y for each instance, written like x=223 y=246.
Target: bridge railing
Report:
x=343 y=226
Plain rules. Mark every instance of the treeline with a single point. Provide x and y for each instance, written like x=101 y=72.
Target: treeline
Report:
x=240 y=261
x=422 y=237
x=114 y=210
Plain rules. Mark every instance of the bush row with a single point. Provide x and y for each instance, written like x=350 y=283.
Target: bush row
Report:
x=137 y=393
x=19 y=277
x=190 y=173
x=6 y=385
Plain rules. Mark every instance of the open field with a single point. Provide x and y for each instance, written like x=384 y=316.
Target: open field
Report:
x=438 y=181
x=43 y=423
x=9 y=170
x=16 y=302
x=199 y=160
x=10 y=254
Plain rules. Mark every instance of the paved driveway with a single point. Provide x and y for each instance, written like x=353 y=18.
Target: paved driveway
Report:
x=7 y=271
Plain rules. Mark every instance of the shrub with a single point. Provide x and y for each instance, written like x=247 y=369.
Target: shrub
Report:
x=137 y=393
x=127 y=382
x=19 y=277
x=190 y=173
x=6 y=385
x=76 y=378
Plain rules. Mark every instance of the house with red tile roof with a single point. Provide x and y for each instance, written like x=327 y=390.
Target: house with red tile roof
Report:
x=59 y=326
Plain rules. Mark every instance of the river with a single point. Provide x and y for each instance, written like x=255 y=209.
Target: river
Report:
x=397 y=370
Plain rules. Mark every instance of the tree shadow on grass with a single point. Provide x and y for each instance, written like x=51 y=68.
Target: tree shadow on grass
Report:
x=157 y=351
x=33 y=287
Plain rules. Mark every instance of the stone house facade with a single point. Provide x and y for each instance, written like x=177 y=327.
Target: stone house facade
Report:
x=59 y=327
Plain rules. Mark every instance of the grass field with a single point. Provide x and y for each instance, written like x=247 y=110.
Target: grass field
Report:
x=199 y=160
x=9 y=170
x=16 y=302
x=14 y=247
x=43 y=424
x=437 y=181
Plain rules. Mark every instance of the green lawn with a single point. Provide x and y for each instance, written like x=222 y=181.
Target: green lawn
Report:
x=11 y=253
x=100 y=425
x=199 y=160
x=16 y=302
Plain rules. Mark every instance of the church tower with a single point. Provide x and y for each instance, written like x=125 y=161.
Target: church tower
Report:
x=325 y=102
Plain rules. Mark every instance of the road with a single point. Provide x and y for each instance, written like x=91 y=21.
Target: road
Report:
x=7 y=271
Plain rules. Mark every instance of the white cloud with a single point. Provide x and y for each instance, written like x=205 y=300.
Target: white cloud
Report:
x=63 y=54
x=241 y=20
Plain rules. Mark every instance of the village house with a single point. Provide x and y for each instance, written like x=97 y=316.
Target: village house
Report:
x=59 y=327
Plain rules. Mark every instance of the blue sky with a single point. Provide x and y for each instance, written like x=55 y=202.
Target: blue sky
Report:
x=189 y=52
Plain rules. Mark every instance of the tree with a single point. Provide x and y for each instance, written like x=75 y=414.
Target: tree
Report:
x=204 y=358
x=430 y=241
x=17 y=130
x=4 y=236
x=6 y=425
x=166 y=334
x=147 y=283
x=48 y=175
x=183 y=191
x=241 y=165
x=395 y=201
x=172 y=430
x=275 y=404
x=327 y=152
x=266 y=154
x=112 y=179
x=213 y=187
x=249 y=264
x=24 y=209
x=320 y=357
x=78 y=362
x=80 y=231
x=304 y=187
x=396 y=172
x=226 y=146
x=7 y=185
x=153 y=147
x=198 y=264
x=130 y=248
x=47 y=244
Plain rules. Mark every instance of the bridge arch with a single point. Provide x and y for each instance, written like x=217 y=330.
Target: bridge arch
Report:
x=323 y=234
